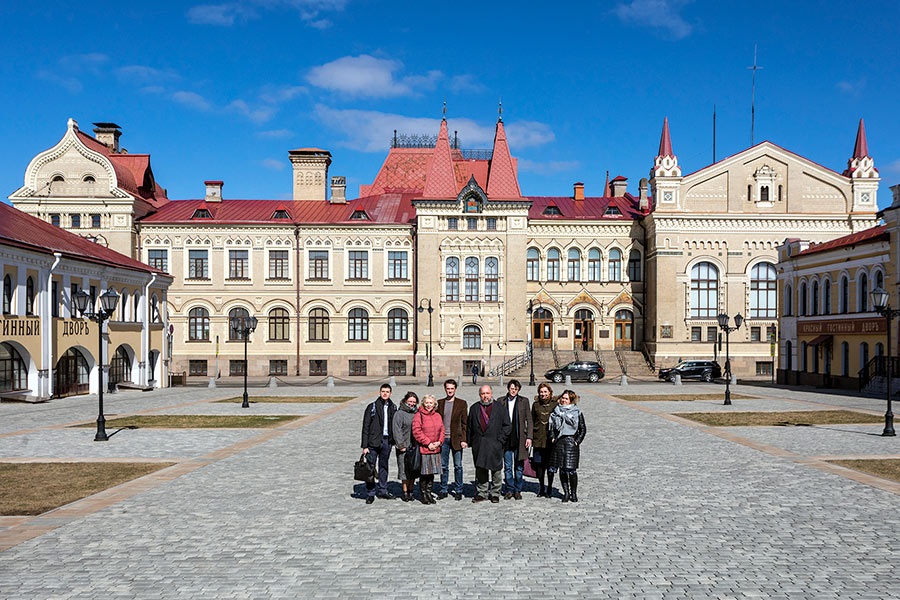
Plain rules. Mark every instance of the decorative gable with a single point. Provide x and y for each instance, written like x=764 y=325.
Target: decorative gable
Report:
x=472 y=197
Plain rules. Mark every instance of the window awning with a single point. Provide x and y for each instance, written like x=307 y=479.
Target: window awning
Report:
x=822 y=340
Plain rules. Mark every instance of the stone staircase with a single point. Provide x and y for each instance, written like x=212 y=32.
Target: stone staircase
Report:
x=543 y=362
x=878 y=386
x=611 y=368
x=636 y=364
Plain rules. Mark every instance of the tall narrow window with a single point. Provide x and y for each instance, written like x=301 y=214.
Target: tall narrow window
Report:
x=845 y=295
x=236 y=313
x=615 y=265
x=198 y=324
x=704 y=291
x=552 y=264
x=358 y=265
x=826 y=297
x=749 y=192
x=318 y=264
x=238 y=264
x=472 y=224
x=318 y=325
x=788 y=300
x=76 y=221
x=278 y=264
x=471 y=279
x=801 y=302
x=29 y=296
x=814 y=306
x=397 y=265
x=764 y=193
x=279 y=325
x=594 y=265
x=845 y=359
x=7 y=294
x=863 y=304
x=358 y=325
x=54 y=300
x=452 y=279
x=573 y=272
x=398 y=325
x=491 y=280
x=198 y=264
x=634 y=265
x=533 y=265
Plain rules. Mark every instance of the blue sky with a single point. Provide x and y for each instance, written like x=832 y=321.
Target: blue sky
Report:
x=222 y=90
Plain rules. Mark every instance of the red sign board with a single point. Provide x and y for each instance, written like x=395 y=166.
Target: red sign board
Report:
x=842 y=326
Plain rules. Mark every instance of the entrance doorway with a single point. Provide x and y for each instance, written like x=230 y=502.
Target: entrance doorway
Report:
x=120 y=367
x=624 y=329
x=542 y=333
x=584 y=329
x=71 y=374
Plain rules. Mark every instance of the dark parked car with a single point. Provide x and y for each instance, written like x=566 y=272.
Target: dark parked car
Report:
x=707 y=370
x=580 y=370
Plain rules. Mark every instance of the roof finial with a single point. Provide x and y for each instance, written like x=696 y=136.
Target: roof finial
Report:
x=500 y=110
x=444 y=110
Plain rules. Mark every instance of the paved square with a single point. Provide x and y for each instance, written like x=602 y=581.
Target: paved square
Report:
x=667 y=510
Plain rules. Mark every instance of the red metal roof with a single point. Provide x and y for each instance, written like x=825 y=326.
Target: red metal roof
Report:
x=25 y=231
x=868 y=235
x=440 y=181
x=591 y=208
x=665 y=140
x=133 y=172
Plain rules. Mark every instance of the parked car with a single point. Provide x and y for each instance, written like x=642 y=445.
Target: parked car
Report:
x=707 y=370
x=580 y=370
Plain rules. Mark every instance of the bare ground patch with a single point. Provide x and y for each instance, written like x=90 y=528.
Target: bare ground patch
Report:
x=782 y=418
x=291 y=399
x=197 y=421
x=888 y=468
x=680 y=397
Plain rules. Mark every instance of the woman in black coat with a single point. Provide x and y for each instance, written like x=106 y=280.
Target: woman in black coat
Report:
x=567 y=431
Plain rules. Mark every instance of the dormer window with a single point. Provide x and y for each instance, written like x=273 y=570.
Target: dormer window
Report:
x=612 y=211
x=201 y=213
x=57 y=179
x=359 y=215
x=281 y=214
x=552 y=210
x=89 y=179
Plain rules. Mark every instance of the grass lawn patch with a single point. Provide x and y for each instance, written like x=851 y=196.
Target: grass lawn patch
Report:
x=888 y=468
x=35 y=488
x=197 y=421
x=773 y=418
x=680 y=397
x=291 y=399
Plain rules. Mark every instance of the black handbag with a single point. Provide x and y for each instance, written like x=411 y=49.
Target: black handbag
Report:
x=363 y=470
x=413 y=458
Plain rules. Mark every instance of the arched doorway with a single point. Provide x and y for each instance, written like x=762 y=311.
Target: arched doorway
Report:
x=120 y=367
x=584 y=329
x=624 y=328
x=13 y=370
x=71 y=375
x=154 y=364
x=542 y=333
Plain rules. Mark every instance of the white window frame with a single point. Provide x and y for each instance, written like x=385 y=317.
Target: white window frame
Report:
x=369 y=280
x=387 y=268
x=290 y=265
x=307 y=262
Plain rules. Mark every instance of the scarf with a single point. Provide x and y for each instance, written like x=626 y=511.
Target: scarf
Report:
x=485 y=414
x=564 y=420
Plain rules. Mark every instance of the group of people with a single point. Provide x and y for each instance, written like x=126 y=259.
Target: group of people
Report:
x=503 y=433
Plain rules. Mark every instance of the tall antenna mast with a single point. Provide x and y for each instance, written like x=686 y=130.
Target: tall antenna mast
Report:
x=754 y=68
x=714 y=133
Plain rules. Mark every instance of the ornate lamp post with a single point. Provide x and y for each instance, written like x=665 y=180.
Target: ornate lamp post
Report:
x=108 y=302
x=427 y=306
x=244 y=326
x=531 y=341
x=880 y=302
x=724 y=326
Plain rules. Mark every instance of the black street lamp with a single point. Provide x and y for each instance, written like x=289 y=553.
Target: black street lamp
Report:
x=724 y=326
x=244 y=326
x=108 y=301
x=880 y=302
x=531 y=342
x=430 y=310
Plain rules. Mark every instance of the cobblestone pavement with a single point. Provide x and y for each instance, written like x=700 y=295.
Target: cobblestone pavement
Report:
x=667 y=511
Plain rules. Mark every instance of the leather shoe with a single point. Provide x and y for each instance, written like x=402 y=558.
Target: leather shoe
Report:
x=441 y=495
x=508 y=496
x=457 y=496
x=479 y=499
x=370 y=499
x=386 y=496
x=517 y=496
x=495 y=499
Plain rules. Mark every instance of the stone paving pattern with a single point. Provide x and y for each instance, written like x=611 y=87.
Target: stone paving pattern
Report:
x=666 y=511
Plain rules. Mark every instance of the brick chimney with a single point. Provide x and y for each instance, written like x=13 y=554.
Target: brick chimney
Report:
x=644 y=195
x=213 y=190
x=339 y=189
x=108 y=134
x=310 y=172
x=619 y=185
x=579 y=191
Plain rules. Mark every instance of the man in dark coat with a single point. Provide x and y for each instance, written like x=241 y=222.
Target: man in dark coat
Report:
x=455 y=414
x=377 y=439
x=488 y=430
x=520 y=436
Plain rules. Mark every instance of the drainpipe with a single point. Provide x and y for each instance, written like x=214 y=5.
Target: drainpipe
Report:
x=145 y=333
x=415 y=311
x=297 y=287
x=47 y=325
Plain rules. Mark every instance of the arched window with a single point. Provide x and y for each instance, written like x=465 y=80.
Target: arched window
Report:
x=29 y=296
x=13 y=372
x=594 y=264
x=573 y=272
x=120 y=366
x=801 y=303
x=533 y=265
x=491 y=279
x=552 y=264
x=788 y=300
x=236 y=313
x=615 y=265
x=472 y=337
x=472 y=279
x=814 y=306
x=198 y=324
x=452 y=280
x=155 y=315
x=7 y=295
x=358 y=325
x=279 y=325
x=879 y=280
x=634 y=265
x=879 y=349
x=318 y=325
x=789 y=356
x=763 y=290
x=845 y=359
x=863 y=303
x=803 y=356
x=845 y=295
x=398 y=324
x=121 y=307
x=136 y=307
x=863 y=355
x=826 y=297
x=704 y=291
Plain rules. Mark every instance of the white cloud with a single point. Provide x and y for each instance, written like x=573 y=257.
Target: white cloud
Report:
x=144 y=73
x=547 y=168
x=275 y=134
x=369 y=76
x=226 y=14
x=659 y=14
x=192 y=99
x=277 y=94
x=91 y=63
x=257 y=114
x=371 y=131
x=223 y=15
x=273 y=164
x=71 y=84
x=465 y=83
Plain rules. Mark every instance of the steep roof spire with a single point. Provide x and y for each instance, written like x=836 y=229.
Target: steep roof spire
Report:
x=665 y=141
x=440 y=181
x=861 y=149
x=502 y=180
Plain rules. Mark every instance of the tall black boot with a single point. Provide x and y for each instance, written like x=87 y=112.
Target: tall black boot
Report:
x=564 y=480
x=423 y=490
x=573 y=487
x=429 y=486
x=540 y=473
x=550 y=476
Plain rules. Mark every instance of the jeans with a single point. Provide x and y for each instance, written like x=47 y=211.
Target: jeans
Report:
x=446 y=450
x=382 y=456
x=482 y=488
x=513 y=470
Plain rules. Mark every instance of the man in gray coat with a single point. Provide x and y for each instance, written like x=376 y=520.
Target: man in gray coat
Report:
x=488 y=430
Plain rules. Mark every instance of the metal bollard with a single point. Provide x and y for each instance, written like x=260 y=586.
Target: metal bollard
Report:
x=330 y=383
x=393 y=382
x=568 y=380
x=733 y=379
x=677 y=379
x=624 y=381
x=212 y=383
x=501 y=380
x=273 y=383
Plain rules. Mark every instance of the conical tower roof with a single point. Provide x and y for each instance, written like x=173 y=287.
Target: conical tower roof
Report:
x=440 y=181
x=861 y=148
x=502 y=180
x=665 y=141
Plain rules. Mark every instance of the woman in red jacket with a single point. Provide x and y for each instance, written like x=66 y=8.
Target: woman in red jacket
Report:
x=428 y=430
